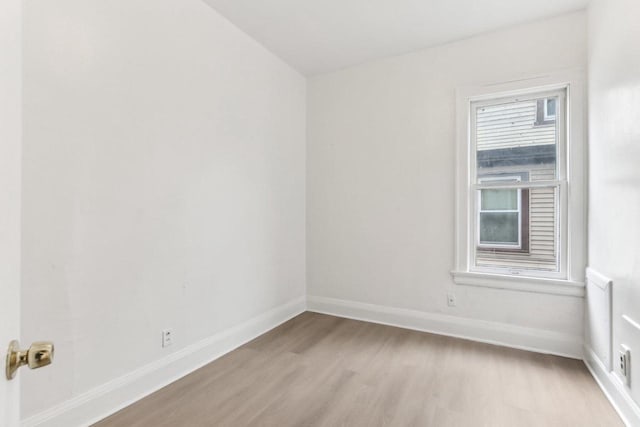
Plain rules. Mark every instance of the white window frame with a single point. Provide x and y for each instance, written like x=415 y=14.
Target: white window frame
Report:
x=559 y=183
x=569 y=280
x=505 y=245
x=549 y=117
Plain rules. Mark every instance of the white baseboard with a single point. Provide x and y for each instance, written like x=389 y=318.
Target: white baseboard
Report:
x=503 y=334
x=613 y=389
x=100 y=402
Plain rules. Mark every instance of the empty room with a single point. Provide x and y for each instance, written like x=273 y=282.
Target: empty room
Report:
x=320 y=213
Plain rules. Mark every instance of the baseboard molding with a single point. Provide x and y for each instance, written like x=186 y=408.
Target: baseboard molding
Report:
x=613 y=388
x=503 y=334
x=100 y=402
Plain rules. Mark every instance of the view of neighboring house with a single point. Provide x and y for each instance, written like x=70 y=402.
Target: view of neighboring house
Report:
x=516 y=142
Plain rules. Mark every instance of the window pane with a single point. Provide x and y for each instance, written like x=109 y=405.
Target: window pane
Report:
x=538 y=230
x=499 y=200
x=514 y=138
x=499 y=228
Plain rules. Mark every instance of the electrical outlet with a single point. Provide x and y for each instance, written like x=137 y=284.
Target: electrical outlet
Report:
x=167 y=337
x=451 y=300
x=624 y=363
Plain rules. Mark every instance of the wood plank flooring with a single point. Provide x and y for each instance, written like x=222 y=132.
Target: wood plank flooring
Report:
x=319 y=370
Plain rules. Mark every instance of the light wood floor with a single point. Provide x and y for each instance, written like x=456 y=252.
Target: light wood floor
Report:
x=318 y=370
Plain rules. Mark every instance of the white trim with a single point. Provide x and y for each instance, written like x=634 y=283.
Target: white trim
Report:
x=598 y=279
x=102 y=401
x=503 y=334
x=613 y=389
x=630 y=321
x=516 y=185
x=573 y=224
x=526 y=284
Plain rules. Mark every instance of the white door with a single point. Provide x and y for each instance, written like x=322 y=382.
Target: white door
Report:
x=10 y=158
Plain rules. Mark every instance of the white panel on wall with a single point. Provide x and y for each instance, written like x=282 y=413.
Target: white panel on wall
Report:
x=598 y=331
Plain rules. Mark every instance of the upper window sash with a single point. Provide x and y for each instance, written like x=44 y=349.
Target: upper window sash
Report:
x=559 y=94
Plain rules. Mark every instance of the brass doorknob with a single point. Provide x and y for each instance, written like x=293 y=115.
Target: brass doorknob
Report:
x=38 y=355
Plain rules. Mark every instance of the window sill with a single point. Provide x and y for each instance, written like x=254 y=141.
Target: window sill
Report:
x=523 y=284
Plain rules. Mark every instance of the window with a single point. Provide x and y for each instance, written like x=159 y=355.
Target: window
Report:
x=545 y=111
x=520 y=209
x=499 y=218
x=549 y=109
x=501 y=222
x=513 y=157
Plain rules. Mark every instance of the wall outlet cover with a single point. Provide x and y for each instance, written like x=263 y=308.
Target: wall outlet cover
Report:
x=624 y=364
x=451 y=300
x=167 y=337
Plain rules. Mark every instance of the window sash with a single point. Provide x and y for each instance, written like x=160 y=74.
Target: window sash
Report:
x=518 y=185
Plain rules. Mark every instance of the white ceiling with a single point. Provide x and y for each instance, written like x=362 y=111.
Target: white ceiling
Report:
x=317 y=36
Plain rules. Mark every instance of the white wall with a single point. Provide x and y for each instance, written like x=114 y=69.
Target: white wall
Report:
x=614 y=175
x=164 y=185
x=380 y=178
